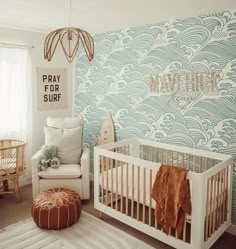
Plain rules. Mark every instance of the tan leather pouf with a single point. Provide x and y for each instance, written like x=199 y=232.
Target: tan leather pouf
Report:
x=56 y=208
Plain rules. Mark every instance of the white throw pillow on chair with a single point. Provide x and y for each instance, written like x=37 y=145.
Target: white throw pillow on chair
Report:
x=67 y=141
x=68 y=122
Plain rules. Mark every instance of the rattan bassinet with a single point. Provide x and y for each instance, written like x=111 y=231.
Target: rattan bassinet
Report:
x=11 y=165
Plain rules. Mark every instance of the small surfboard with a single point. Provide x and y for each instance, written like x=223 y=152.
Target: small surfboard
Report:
x=107 y=133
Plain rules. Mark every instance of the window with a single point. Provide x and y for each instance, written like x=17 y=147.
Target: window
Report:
x=15 y=93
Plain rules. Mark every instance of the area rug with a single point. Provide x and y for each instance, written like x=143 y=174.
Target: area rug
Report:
x=88 y=233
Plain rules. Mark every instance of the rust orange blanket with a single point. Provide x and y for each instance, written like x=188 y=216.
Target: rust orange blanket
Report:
x=172 y=195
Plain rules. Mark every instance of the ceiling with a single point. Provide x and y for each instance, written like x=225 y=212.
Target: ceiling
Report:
x=96 y=16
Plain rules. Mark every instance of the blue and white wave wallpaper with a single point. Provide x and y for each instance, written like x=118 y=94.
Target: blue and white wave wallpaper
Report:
x=117 y=82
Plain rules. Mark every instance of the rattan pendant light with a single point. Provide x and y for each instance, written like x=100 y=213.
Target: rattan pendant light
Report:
x=69 y=38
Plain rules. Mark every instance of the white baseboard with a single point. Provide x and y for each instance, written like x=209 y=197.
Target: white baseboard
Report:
x=232 y=229
x=22 y=182
x=25 y=181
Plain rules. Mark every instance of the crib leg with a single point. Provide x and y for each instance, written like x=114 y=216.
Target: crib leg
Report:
x=101 y=215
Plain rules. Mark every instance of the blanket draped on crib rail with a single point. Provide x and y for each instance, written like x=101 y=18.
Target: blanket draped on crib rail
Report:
x=172 y=195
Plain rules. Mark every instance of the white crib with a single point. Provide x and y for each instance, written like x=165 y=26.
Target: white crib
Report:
x=125 y=171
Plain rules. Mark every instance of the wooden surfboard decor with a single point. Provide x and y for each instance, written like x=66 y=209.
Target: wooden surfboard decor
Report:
x=107 y=133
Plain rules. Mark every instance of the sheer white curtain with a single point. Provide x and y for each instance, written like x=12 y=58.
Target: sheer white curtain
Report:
x=15 y=95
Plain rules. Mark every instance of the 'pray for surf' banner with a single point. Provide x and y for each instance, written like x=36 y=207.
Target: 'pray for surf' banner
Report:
x=52 y=92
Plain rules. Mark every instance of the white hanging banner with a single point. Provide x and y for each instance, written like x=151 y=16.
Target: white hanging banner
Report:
x=52 y=92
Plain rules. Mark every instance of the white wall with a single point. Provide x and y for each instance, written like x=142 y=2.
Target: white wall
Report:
x=59 y=60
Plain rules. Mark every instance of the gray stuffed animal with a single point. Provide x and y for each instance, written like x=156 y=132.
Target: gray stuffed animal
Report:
x=49 y=158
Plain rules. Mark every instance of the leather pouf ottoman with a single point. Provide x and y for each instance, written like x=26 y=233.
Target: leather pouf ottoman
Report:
x=56 y=208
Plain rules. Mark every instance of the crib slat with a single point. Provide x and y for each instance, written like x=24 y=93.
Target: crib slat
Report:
x=106 y=168
x=224 y=191
x=210 y=210
x=127 y=189
x=150 y=199
x=216 y=200
x=111 y=183
x=116 y=166
x=214 y=206
x=102 y=162
x=207 y=209
x=132 y=202
x=144 y=193
x=138 y=199
x=220 y=196
x=219 y=199
x=121 y=194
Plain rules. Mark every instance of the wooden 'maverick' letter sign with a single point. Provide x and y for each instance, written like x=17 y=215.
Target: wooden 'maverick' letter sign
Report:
x=197 y=82
x=180 y=85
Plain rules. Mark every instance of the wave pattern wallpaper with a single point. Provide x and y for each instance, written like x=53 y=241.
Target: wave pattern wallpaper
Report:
x=131 y=75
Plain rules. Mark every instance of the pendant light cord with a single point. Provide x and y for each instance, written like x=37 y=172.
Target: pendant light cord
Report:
x=70 y=15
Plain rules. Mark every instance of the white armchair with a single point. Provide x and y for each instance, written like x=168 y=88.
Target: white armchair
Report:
x=73 y=173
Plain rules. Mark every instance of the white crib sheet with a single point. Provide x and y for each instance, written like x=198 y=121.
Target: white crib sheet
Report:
x=141 y=188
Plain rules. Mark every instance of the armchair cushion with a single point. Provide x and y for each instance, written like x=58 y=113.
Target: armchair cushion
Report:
x=65 y=171
x=67 y=141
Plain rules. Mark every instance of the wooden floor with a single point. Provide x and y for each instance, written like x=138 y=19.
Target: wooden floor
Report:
x=11 y=212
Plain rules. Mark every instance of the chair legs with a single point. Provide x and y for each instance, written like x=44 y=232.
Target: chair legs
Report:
x=5 y=185
x=6 y=190
x=17 y=191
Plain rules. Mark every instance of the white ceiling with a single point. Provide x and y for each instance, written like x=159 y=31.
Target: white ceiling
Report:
x=97 y=16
